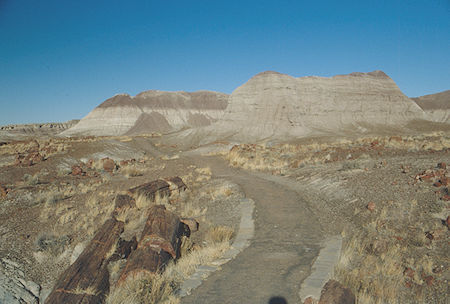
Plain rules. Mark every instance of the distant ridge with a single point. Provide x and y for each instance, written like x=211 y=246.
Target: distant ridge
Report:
x=151 y=111
x=269 y=105
x=437 y=106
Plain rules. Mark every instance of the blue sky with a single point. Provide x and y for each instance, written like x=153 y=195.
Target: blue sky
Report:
x=59 y=58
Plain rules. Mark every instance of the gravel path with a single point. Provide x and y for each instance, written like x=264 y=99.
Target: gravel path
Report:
x=286 y=243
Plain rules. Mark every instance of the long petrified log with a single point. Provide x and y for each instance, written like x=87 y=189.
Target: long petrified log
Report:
x=160 y=242
x=150 y=189
x=87 y=279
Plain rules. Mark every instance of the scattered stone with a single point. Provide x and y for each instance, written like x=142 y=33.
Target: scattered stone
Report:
x=77 y=170
x=429 y=280
x=442 y=165
x=409 y=272
x=310 y=300
x=437 y=184
x=446 y=197
x=108 y=164
x=429 y=235
x=447 y=222
x=334 y=293
x=444 y=181
x=371 y=206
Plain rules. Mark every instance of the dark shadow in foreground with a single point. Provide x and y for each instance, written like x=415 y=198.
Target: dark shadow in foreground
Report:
x=277 y=300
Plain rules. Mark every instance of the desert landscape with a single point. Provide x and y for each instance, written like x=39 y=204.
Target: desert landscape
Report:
x=288 y=190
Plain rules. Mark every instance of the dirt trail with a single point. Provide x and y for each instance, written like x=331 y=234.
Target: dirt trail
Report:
x=279 y=258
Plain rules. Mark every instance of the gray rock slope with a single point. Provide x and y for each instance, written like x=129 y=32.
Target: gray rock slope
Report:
x=436 y=106
x=271 y=104
x=151 y=111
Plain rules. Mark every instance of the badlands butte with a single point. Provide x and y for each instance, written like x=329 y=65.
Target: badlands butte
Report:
x=289 y=190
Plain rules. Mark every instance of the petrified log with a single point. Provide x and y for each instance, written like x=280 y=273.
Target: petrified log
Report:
x=191 y=223
x=87 y=279
x=149 y=190
x=177 y=183
x=123 y=203
x=160 y=242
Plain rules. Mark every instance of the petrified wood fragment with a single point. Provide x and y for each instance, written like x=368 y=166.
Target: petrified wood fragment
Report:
x=160 y=242
x=87 y=279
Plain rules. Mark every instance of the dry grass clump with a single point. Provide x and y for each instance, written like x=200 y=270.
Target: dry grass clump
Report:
x=132 y=170
x=390 y=257
x=31 y=180
x=219 y=234
x=285 y=156
x=162 y=287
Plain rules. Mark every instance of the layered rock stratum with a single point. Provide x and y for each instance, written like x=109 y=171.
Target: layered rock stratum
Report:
x=285 y=106
x=436 y=106
x=21 y=131
x=269 y=105
x=150 y=112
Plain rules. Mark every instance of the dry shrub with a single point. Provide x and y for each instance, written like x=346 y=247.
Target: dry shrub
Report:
x=132 y=170
x=219 y=234
x=31 y=180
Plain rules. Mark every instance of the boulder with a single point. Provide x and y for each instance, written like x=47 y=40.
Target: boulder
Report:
x=334 y=293
x=108 y=164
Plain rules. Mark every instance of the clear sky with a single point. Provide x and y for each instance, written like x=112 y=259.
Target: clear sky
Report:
x=59 y=58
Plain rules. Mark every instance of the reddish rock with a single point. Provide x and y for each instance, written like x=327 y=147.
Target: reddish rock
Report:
x=310 y=300
x=409 y=272
x=446 y=197
x=108 y=164
x=442 y=165
x=371 y=206
x=437 y=184
x=429 y=280
x=396 y=138
x=334 y=293
x=447 y=221
x=90 y=163
x=77 y=170
x=444 y=181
